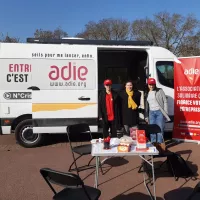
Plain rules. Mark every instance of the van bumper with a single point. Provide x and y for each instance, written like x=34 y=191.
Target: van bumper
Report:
x=5 y=125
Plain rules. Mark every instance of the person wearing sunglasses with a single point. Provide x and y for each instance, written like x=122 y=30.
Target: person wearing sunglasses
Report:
x=109 y=109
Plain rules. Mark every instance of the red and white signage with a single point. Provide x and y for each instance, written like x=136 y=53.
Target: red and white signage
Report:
x=141 y=139
x=64 y=74
x=187 y=99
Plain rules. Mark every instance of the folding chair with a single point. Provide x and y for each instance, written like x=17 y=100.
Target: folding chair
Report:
x=78 y=132
x=184 y=193
x=195 y=191
x=152 y=129
x=74 y=187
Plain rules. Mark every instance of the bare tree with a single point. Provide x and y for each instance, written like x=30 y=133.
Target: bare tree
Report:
x=106 y=29
x=58 y=33
x=167 y=30
x=191 y=46
x=8 y=39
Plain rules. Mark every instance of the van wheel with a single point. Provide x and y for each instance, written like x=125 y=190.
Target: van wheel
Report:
x=24 y=135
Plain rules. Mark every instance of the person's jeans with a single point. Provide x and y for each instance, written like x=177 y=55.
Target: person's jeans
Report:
x=156 y=117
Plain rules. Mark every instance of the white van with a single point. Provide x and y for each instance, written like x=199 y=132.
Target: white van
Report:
x=45 y=85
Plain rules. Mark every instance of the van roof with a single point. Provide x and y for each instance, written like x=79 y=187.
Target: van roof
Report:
x=90 y=42
x=25 y=50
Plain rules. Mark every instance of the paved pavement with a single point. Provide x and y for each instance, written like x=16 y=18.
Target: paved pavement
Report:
x=20 y=178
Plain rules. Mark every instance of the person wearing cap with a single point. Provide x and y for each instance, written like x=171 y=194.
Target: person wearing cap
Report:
x=130 y=102
x=156 y=111
x=109 y=109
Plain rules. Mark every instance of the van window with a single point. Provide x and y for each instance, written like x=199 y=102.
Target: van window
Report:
x=165 y=71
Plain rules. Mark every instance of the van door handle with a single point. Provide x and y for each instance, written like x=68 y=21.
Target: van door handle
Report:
x=33 y=88
x=84 y=98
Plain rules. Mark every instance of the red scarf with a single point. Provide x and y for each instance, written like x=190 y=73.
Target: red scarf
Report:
x=109 y=107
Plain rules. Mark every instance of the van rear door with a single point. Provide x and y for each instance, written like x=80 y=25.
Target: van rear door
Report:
x=65 y=82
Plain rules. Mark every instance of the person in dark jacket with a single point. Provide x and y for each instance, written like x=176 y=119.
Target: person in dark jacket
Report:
x=109 y=109
x=130 y=101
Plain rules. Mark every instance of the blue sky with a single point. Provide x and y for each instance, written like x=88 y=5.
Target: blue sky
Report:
x=20 y=18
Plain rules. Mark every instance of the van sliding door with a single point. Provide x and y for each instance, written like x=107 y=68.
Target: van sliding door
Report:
x=67 y=88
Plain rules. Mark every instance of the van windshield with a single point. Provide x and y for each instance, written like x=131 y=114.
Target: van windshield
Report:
x=165 y=71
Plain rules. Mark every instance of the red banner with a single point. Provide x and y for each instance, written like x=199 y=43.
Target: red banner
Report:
x=187 y=99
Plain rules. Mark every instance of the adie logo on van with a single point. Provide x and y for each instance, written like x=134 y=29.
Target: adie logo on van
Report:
x=191 y=75
x=68 y=72
x=191 y=71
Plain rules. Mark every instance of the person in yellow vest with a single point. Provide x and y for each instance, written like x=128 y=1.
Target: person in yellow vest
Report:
x=130 y=102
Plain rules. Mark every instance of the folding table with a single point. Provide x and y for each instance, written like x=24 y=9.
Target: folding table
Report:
x=98 y=151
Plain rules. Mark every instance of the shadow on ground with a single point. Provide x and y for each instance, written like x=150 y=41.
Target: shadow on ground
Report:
x=135 y=195
x=53 y=139
x=164 y=171
x=181 y=194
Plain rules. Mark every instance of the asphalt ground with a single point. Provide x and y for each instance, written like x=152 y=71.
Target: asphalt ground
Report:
x=20 y=178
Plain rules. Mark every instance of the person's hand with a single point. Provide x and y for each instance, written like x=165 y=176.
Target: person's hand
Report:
x=146 y=120
x=100 y=118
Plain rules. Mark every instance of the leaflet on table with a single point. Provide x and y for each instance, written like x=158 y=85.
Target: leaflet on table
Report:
x=111 y=150
x=141 y=139
x=98 y=148
x=151 y=149
x=114 y=142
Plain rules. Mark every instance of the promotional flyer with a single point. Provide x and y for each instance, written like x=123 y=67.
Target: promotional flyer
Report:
x=187 y=99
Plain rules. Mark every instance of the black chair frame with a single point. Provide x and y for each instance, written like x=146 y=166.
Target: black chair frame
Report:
x=153 y=129
x=64 y=179
x=80 y=129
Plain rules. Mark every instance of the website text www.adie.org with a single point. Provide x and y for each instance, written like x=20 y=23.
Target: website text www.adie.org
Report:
x=190 y=122
x=69 y=84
